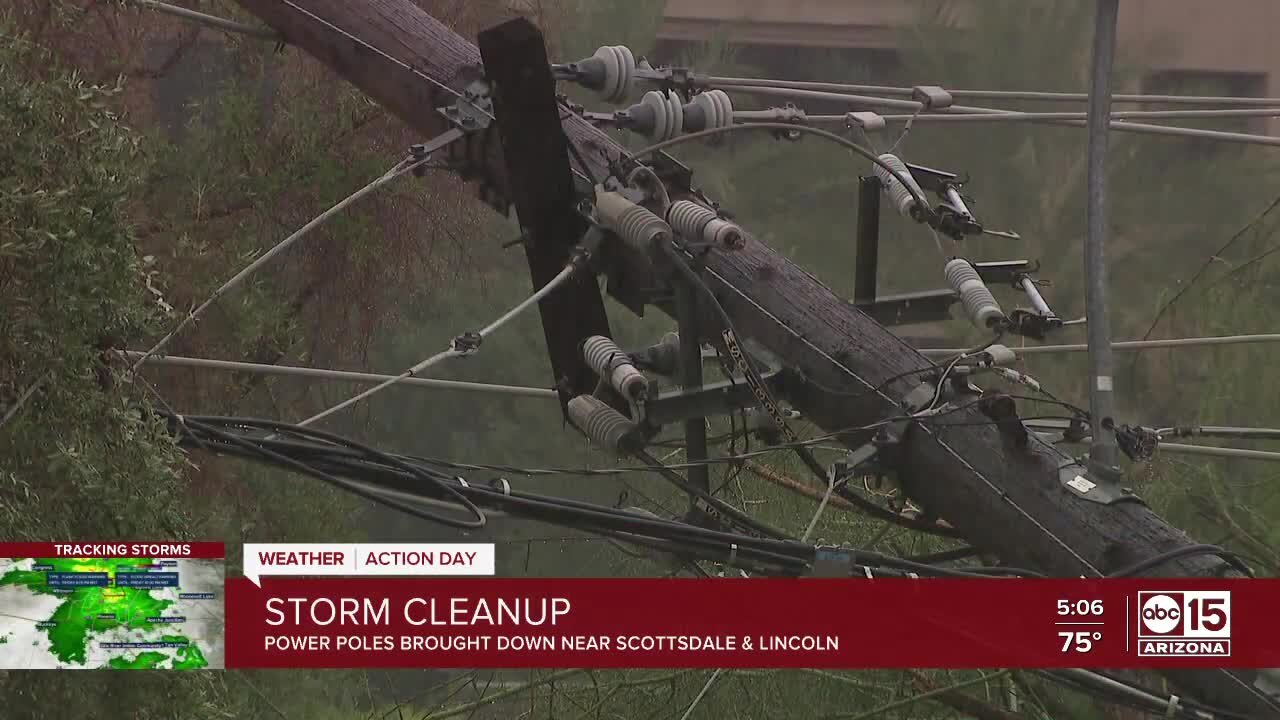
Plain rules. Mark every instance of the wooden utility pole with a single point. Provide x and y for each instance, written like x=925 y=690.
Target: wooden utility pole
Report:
x=1003 y=498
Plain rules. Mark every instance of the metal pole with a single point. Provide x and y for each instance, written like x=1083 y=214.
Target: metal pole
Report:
x=695 y=429
x=1103 y=455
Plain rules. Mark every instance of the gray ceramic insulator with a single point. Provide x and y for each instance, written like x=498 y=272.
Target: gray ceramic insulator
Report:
x=896 y=184
x=665 y=117
x=603 y=425
x=610 y=72
x=614 y=367
x=636 y=225
x=978 y=301
x=696 y=222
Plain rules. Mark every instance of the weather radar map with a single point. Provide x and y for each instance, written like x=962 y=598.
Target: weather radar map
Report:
x=132 y=612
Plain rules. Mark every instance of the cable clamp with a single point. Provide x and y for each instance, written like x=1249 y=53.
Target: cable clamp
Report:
x=506 y=486
x=1174 y=706
x=466 y=343
x=733 y=553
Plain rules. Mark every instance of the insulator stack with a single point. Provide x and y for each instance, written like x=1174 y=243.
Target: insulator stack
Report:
x=708 y=110
x=665 y=117
x=978 y=300
x=897 y=184
x=604 y=426
x=614 y=367
x=636 y=225
x=610 y=72
x=693 y=221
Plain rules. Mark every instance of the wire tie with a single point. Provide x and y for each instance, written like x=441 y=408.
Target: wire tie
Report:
x=866 y=570
x=1173 y=708
x=912 y=575
x=733 y=552
x=462 y=482
x=506 y=486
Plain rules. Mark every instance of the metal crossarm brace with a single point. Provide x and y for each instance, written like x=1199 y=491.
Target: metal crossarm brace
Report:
x=540 y=184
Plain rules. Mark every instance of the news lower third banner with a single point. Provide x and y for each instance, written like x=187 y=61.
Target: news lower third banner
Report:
x=169 y=606
x=751 y=623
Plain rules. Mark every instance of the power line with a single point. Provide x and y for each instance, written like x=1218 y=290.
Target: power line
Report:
x=210 y=20
x=1119 y=125
x=461 y=346
x=1020 y=116
x=396 y=171
x=341 y=375
x=1209 y=261
x=1125 y=345
x=1015 y=95
x=832 y=137
x=1179 y=448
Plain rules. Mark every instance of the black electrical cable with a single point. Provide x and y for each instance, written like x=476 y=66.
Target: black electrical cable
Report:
x=325 y=477
x=732 y=512
x=340 y=456
x=931 y=367
x=1229 y=557
x=479 y=522
x=945 y=555
x=553 y=511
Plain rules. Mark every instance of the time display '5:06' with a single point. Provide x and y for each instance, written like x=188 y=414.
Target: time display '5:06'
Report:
x=1079 y=607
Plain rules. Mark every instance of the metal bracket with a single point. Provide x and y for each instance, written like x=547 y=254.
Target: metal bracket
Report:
x=472 y=114
x=910 y=308
x=927 y=305
x=716 y=398
x=1081 y=483
x=473 y=110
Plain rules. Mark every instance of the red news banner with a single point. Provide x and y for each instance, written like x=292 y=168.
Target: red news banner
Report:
x=756 y=623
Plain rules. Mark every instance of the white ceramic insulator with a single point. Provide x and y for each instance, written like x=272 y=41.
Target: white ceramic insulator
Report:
x=636 y=225
x=610 y=363
x=1001 y=355
x=978 y=300
x=693 y=221
x=604 y=426
x=619 y=72
x=896 y=184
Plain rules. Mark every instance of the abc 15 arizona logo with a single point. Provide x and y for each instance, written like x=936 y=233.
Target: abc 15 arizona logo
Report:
x=1184 y=624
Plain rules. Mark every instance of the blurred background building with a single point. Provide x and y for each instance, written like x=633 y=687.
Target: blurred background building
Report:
x=1224 y=46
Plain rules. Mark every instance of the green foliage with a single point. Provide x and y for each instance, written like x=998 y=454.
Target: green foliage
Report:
x=73 y=287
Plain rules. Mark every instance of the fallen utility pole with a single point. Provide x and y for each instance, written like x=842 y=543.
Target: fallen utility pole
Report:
x=1012 y=501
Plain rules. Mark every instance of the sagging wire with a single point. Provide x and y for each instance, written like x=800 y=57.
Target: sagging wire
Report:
x=461 y=346
x=210 y=20
x=400 y=168
x=805 y=129
x=316 y=452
